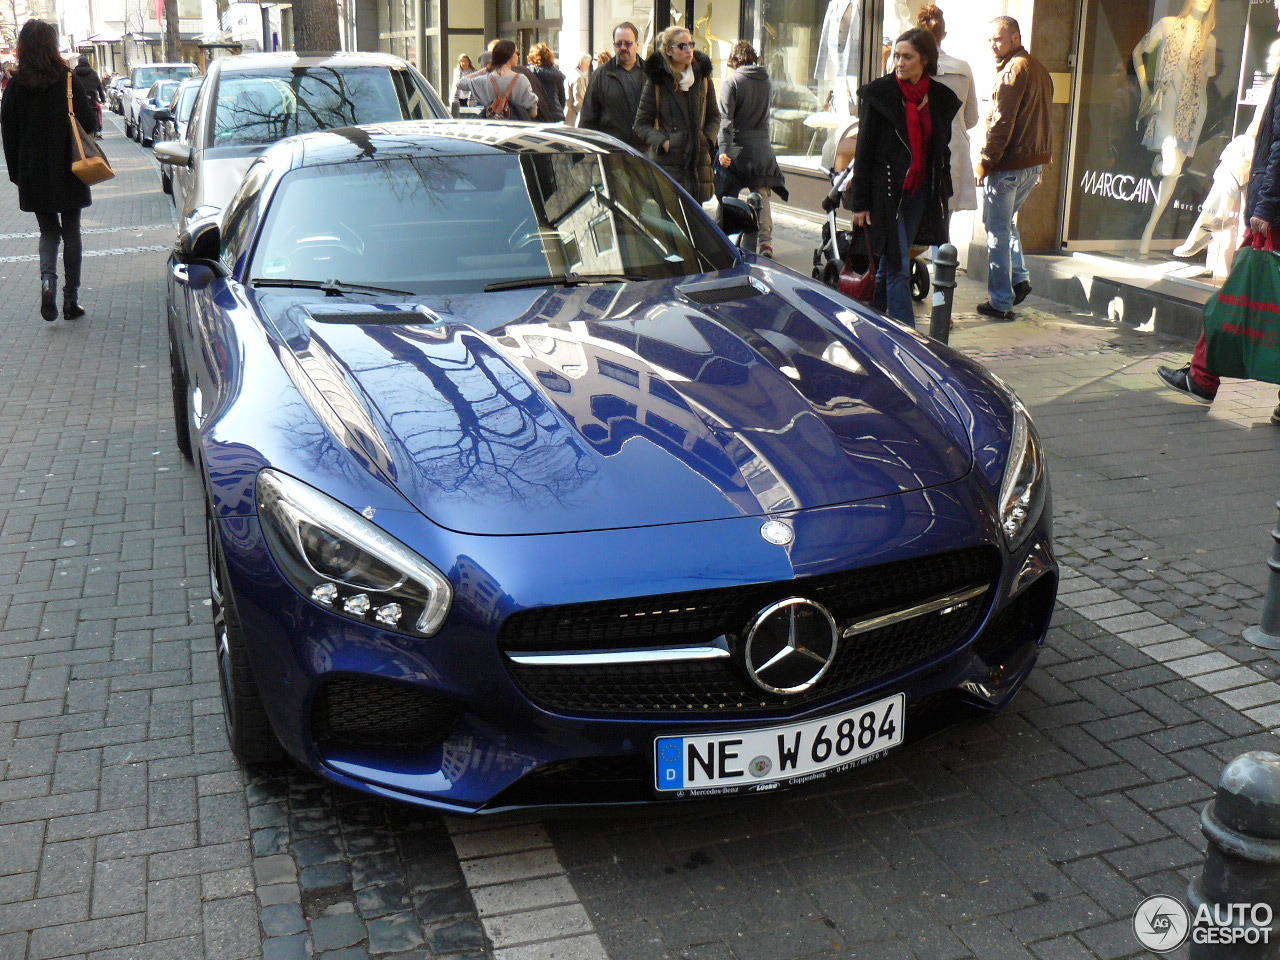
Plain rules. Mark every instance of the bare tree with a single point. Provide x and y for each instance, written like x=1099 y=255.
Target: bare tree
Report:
x=315 y=25
x=9 y=22
x=172 y=37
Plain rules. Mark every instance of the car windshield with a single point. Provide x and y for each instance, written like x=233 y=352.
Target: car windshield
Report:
x=267 y=106
x=144 y=77
x=459 y=224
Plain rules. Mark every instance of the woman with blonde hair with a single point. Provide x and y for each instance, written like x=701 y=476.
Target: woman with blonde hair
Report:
x=542 y=62
x=678 y=116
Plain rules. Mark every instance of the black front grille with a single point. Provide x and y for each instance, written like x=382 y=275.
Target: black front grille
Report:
x=697 y=618
x=364 y=712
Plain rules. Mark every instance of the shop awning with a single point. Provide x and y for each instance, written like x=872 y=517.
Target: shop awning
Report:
x=107 y=36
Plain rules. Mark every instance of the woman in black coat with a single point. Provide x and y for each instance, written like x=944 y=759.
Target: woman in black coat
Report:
x=36 y=128
x=902 y=168
x=542 y=63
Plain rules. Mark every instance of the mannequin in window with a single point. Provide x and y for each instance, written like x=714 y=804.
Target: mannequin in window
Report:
x=1174 y=103
x=1220 y=211
x=838 y=47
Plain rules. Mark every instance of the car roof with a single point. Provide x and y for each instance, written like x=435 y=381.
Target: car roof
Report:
x=289 y=59
x=428 y=138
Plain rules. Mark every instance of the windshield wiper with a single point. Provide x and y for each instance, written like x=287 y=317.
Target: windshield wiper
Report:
x=564 y=280
x=331 y=288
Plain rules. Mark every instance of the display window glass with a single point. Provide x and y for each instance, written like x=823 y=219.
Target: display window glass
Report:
x=1165 y=89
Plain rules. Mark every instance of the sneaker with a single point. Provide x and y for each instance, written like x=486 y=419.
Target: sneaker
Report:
x=995 y=313
x=1180 y=380
x=766 y=250
x=1021 y=291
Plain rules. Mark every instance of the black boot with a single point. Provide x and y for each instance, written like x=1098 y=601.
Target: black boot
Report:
x=71 y=309
x=49 y=299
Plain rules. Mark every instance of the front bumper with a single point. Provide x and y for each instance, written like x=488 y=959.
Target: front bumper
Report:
x=482 y=743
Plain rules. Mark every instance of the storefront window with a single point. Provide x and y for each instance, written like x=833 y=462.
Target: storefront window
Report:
x=811 y=49
x=608 y=14
x=529 y=22
x=1161 y=93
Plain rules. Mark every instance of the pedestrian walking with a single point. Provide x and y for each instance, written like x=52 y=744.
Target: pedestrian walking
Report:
x=461 y=94
x=498 y=87
x=542 y=62
x=35 y=126
x=613 y=94
x=958 y=75
x=1018 y=143
x=88 y=78
x=678 y=117
x=746 y=155
x=577 y=90
x=902 y=169
x=1261 y=213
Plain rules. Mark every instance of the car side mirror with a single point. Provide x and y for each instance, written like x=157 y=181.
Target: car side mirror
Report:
x=200 y=243
x=736 y=218
x=162 y=114
x=172 y=152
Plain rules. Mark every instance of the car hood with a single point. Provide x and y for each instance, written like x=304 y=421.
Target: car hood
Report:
x=590 y=408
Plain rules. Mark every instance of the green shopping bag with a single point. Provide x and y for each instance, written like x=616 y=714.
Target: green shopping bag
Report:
x=1242 y=321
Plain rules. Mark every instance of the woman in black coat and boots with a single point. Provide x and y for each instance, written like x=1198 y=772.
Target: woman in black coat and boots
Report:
x=902 y=168
x=678 y=116
x=36 y=129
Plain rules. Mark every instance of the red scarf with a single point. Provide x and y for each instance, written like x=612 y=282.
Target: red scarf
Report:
x=919 y=128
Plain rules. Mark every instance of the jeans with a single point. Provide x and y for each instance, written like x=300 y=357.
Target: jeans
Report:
x=1003 y=194
x=893 y=275
x=68 y=231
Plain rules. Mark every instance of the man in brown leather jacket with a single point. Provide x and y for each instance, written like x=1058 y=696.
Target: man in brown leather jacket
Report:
x=1019 y=142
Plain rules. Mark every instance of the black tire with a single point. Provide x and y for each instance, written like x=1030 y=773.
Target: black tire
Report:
x=831 y=274
x=181 y=420
x=919 y=280
x=248 y=727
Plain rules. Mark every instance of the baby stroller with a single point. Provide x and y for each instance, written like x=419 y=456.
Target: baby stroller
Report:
x=843 y=249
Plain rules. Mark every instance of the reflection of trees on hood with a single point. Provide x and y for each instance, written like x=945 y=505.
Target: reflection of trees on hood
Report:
x=479 y=429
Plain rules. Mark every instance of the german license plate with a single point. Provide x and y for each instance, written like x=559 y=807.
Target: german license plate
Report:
x=767 y=758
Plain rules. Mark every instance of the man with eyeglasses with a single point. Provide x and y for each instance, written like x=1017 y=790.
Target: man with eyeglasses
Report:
x=613 y=93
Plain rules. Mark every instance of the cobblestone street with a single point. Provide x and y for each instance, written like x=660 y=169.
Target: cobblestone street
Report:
x=127 y=830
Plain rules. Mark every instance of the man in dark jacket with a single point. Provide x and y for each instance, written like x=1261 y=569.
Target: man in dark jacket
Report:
x=613 y=93
x=1019 y=142
x=89 y=79
x=1261 y=211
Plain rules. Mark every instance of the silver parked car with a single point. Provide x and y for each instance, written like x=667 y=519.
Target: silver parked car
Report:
x=142 y=78
x=248 y=102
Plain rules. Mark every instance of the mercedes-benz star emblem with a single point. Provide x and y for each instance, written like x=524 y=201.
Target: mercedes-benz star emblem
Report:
x=790 y=645
x=777 y=532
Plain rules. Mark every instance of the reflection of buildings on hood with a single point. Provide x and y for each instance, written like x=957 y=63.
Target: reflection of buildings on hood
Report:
x=631 y=396
x=477 y=594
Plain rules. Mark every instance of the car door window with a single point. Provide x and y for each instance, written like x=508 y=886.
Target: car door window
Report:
x=238 y=223
x=413 y=104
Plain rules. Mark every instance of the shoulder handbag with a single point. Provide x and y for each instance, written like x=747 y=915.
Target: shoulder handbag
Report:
x=1242 y=320
x=88 y=162
x=859 y=285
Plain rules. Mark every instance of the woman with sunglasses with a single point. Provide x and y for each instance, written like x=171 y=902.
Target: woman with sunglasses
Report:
x=902 y=168
x=678 y=117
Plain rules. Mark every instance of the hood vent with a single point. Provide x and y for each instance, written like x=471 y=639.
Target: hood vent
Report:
x=711 y=292
x=375 y=315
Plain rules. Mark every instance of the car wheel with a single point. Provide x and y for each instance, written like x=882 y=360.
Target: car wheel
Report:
x=248 y=727
x=128 y=129
x=181 y=420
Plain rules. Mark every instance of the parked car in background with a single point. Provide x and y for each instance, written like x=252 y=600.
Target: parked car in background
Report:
x=171 y=123
x=116 y=92
x=248 y=102
x=157 y=97
x=141 y=79
x=525 y=486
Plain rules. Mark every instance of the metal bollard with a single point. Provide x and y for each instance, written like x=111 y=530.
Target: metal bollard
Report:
x=1267 y=635
x=944 y=288
x=1242 y=869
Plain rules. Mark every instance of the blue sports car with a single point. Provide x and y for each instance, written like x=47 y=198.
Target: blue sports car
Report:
x=525 y=486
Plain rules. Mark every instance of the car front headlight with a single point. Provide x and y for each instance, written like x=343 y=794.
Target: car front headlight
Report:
x=1022 y=490
x=342 y=561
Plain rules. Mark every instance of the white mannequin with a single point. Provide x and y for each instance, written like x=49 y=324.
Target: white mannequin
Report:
x=1173 y=106
x=1220 y=212
x=840 y=41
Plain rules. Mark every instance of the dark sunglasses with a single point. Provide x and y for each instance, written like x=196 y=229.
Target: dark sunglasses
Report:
x=683 y=46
